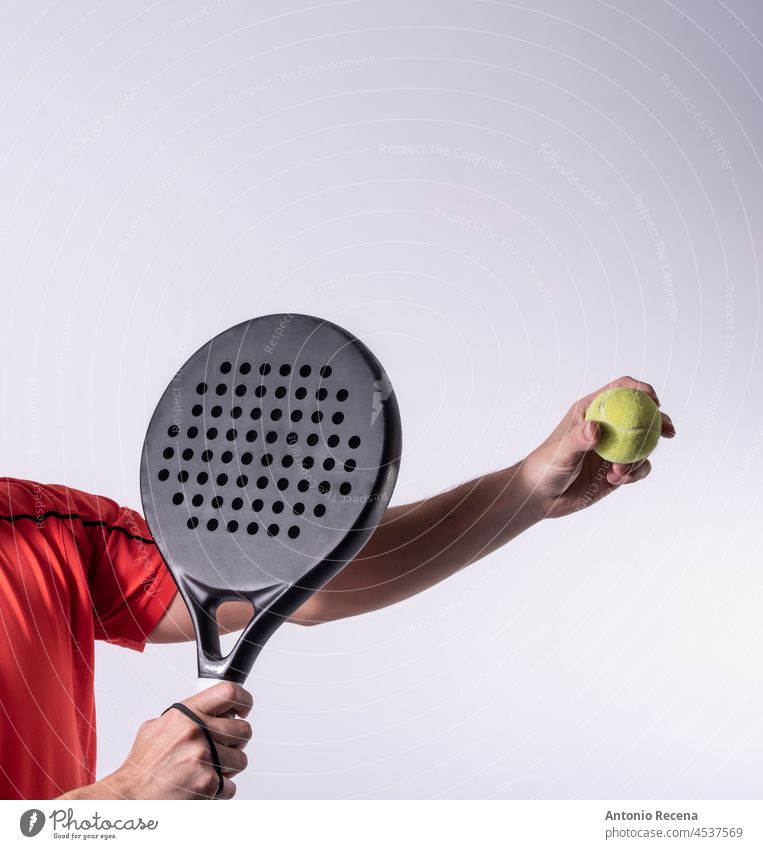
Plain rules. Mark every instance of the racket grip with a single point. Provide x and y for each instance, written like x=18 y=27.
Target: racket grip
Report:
x=203 y=684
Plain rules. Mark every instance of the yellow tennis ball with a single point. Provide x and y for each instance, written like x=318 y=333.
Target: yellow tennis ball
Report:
x=630 y=424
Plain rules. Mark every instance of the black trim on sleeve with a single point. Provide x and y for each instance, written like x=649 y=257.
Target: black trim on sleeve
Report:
x=53 y=514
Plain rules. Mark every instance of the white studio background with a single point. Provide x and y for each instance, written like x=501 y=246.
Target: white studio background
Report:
x=511 y=204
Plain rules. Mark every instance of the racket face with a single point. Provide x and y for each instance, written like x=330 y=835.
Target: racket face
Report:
x=268 y=462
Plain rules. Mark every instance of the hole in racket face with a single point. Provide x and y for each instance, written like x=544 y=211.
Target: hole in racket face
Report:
x=284 y=470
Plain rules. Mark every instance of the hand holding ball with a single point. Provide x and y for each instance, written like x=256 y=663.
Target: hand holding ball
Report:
x=630 y=424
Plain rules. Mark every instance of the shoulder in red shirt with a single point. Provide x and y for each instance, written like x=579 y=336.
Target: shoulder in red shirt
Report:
x=74 y=568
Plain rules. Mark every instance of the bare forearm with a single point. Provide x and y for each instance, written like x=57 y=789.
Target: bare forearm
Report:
x=421 y=544
x=415 y=547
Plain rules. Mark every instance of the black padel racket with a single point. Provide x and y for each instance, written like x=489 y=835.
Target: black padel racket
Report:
x=268 y=463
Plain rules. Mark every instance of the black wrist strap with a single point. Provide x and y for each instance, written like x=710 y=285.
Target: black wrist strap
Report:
x=205 y=731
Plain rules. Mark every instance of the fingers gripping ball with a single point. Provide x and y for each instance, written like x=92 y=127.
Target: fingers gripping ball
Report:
x=630 y=424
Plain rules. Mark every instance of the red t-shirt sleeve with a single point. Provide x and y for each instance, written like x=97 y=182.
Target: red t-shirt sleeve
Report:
x=130 y=585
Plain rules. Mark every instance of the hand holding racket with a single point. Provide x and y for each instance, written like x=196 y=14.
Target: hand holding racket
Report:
x=172 y=758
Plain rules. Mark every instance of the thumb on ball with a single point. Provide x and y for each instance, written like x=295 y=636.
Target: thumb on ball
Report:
x=581 y=438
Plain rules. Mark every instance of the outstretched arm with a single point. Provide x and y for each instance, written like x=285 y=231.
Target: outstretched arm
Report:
x=414 y=547
x=418 y=545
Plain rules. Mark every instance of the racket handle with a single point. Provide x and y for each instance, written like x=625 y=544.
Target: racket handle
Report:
x=203 y=684
x=202 y=602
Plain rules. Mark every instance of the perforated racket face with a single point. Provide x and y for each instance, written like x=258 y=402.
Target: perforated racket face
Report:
x=269 y=460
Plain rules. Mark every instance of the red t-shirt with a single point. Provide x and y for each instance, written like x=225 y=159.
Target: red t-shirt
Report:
x=73 y=568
